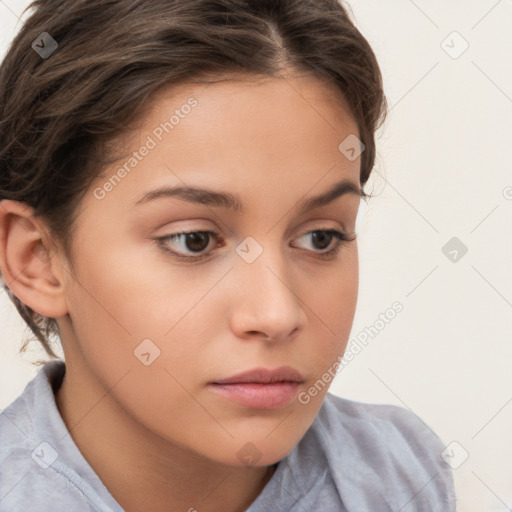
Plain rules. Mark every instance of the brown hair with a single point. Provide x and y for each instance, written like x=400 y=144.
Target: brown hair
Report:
x=57 y=112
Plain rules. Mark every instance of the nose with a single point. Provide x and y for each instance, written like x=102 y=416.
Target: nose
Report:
x=267 y=304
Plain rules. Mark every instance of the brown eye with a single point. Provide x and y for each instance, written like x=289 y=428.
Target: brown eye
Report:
x=185 y=245
x=322 y=238
x=196 y=241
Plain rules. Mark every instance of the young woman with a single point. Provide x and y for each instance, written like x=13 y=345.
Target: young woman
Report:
x=179 y=186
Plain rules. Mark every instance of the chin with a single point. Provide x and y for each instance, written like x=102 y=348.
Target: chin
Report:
x=259 y=453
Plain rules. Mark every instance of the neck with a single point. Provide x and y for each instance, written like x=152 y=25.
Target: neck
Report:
x=141 y=470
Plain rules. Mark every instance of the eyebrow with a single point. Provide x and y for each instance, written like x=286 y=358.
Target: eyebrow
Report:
x=210 y=197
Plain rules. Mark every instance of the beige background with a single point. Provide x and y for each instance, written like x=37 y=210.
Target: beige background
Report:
x=443 y=170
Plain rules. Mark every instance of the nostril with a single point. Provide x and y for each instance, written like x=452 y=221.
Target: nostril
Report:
x=252 y=333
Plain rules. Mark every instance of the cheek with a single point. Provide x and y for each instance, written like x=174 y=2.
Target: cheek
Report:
x=137 y=335
x=128 y=293
x=124 y=309
x=335 y=292
x=333 y=303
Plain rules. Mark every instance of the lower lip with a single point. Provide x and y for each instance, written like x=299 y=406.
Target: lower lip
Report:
x=258 y=395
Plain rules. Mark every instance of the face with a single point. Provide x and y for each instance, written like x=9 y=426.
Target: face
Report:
x=156 y=316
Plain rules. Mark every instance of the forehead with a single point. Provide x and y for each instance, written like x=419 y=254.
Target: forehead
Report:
x=258 y=105
x=238 y=135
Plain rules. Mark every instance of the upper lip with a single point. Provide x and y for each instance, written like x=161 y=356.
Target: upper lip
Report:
x=265 y=375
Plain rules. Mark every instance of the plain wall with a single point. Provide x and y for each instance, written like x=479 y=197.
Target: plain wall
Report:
x=443 y=170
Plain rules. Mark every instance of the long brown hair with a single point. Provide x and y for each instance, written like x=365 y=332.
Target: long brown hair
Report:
x=59 y=109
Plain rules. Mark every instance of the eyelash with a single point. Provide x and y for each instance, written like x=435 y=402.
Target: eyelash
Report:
x=340 y=237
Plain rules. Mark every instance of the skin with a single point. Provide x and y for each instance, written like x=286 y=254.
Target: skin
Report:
x=157 y=436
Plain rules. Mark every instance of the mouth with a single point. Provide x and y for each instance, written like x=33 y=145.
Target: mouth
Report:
x=261 y=388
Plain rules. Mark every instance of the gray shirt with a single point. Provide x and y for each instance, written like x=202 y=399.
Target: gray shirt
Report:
x=355 y=457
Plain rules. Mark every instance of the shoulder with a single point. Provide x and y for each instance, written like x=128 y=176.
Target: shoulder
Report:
x=390 y=422
x=27 y=475
x=25 y=482
x=16 y=429
x=391 y=446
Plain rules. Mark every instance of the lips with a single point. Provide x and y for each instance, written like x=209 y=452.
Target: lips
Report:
x=260 y=388
x=264 y=376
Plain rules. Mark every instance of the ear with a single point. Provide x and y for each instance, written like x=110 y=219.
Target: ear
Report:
x=28 y=267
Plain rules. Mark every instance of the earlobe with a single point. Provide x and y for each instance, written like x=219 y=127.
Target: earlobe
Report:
x=26 y=261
